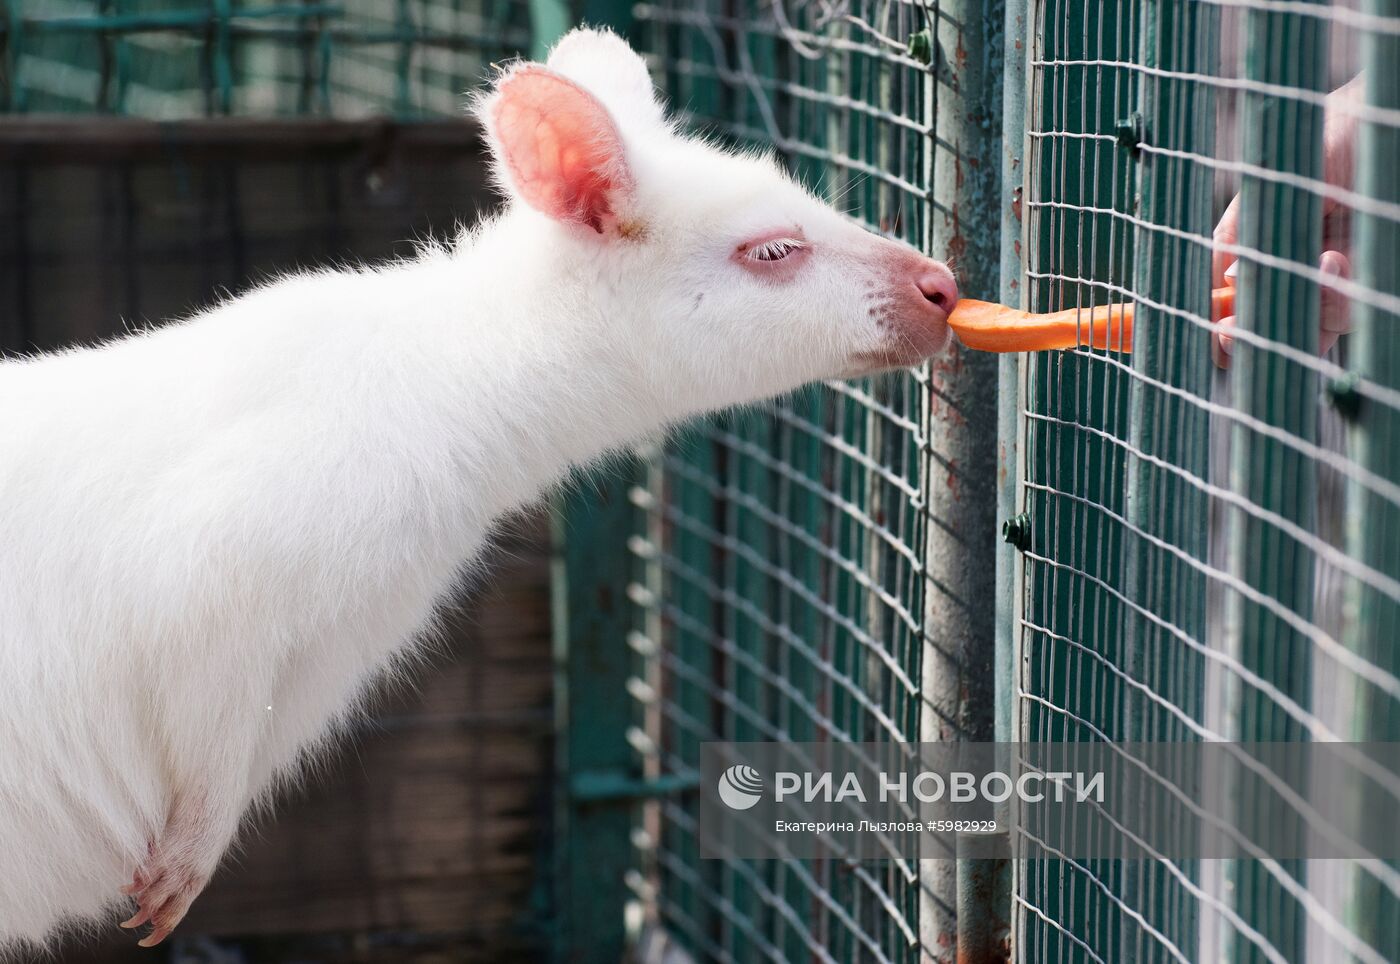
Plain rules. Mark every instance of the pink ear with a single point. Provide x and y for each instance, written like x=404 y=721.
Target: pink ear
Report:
x=559 y=148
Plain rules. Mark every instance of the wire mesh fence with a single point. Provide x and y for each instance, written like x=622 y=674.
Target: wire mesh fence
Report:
x=1209 y=553
x=171 y=59
x=1210 y=539
x=782 y=573
x=1204 y=560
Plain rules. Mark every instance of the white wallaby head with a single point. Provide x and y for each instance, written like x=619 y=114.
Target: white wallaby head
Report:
x=721 y=274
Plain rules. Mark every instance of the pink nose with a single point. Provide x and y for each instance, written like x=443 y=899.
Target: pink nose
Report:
x=939 y=289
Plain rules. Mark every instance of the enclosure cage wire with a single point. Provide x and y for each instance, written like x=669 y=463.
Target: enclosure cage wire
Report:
x=173 y=60
x=1213 y=556
x=780 y=577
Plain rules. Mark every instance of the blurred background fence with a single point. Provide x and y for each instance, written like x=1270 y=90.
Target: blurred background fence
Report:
x=1191 y=552
x=173 y=59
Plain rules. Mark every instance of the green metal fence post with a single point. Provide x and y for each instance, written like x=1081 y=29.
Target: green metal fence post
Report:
x=549 y=20
x=1011 y=370
x=597 y=778
x=221 y=58
x=961 y=552
x=1015 y=148
x=599 y=769
x=959 y=664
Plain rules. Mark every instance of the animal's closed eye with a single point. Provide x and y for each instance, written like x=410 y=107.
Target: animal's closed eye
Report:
x=775 y=249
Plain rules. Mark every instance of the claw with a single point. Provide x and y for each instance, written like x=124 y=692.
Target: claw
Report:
x=154 y=937
x=170 y=878
x=140 y=917
x=163 y=898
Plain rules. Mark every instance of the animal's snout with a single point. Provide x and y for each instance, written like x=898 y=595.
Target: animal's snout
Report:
x=912 y=308
x=938 y=288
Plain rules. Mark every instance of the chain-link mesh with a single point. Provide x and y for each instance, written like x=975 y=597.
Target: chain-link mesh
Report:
x=1214 y=541
x=171 y=59
x=782 y=575
x=1214 y=552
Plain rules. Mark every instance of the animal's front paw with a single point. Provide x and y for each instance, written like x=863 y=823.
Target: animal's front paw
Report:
x=164 y=887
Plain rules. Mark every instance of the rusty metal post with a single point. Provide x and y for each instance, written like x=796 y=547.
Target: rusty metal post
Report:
x=962 y=917
x=1011 y=375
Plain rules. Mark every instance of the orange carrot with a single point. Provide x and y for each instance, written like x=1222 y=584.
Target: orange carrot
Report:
x=990 y=327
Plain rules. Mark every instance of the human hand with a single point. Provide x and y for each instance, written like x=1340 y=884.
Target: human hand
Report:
x=1339 y=149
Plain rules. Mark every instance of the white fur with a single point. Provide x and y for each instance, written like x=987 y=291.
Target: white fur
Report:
x=215 y=535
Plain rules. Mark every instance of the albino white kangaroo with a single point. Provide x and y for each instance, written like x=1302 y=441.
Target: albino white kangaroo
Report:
x=215 y=535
